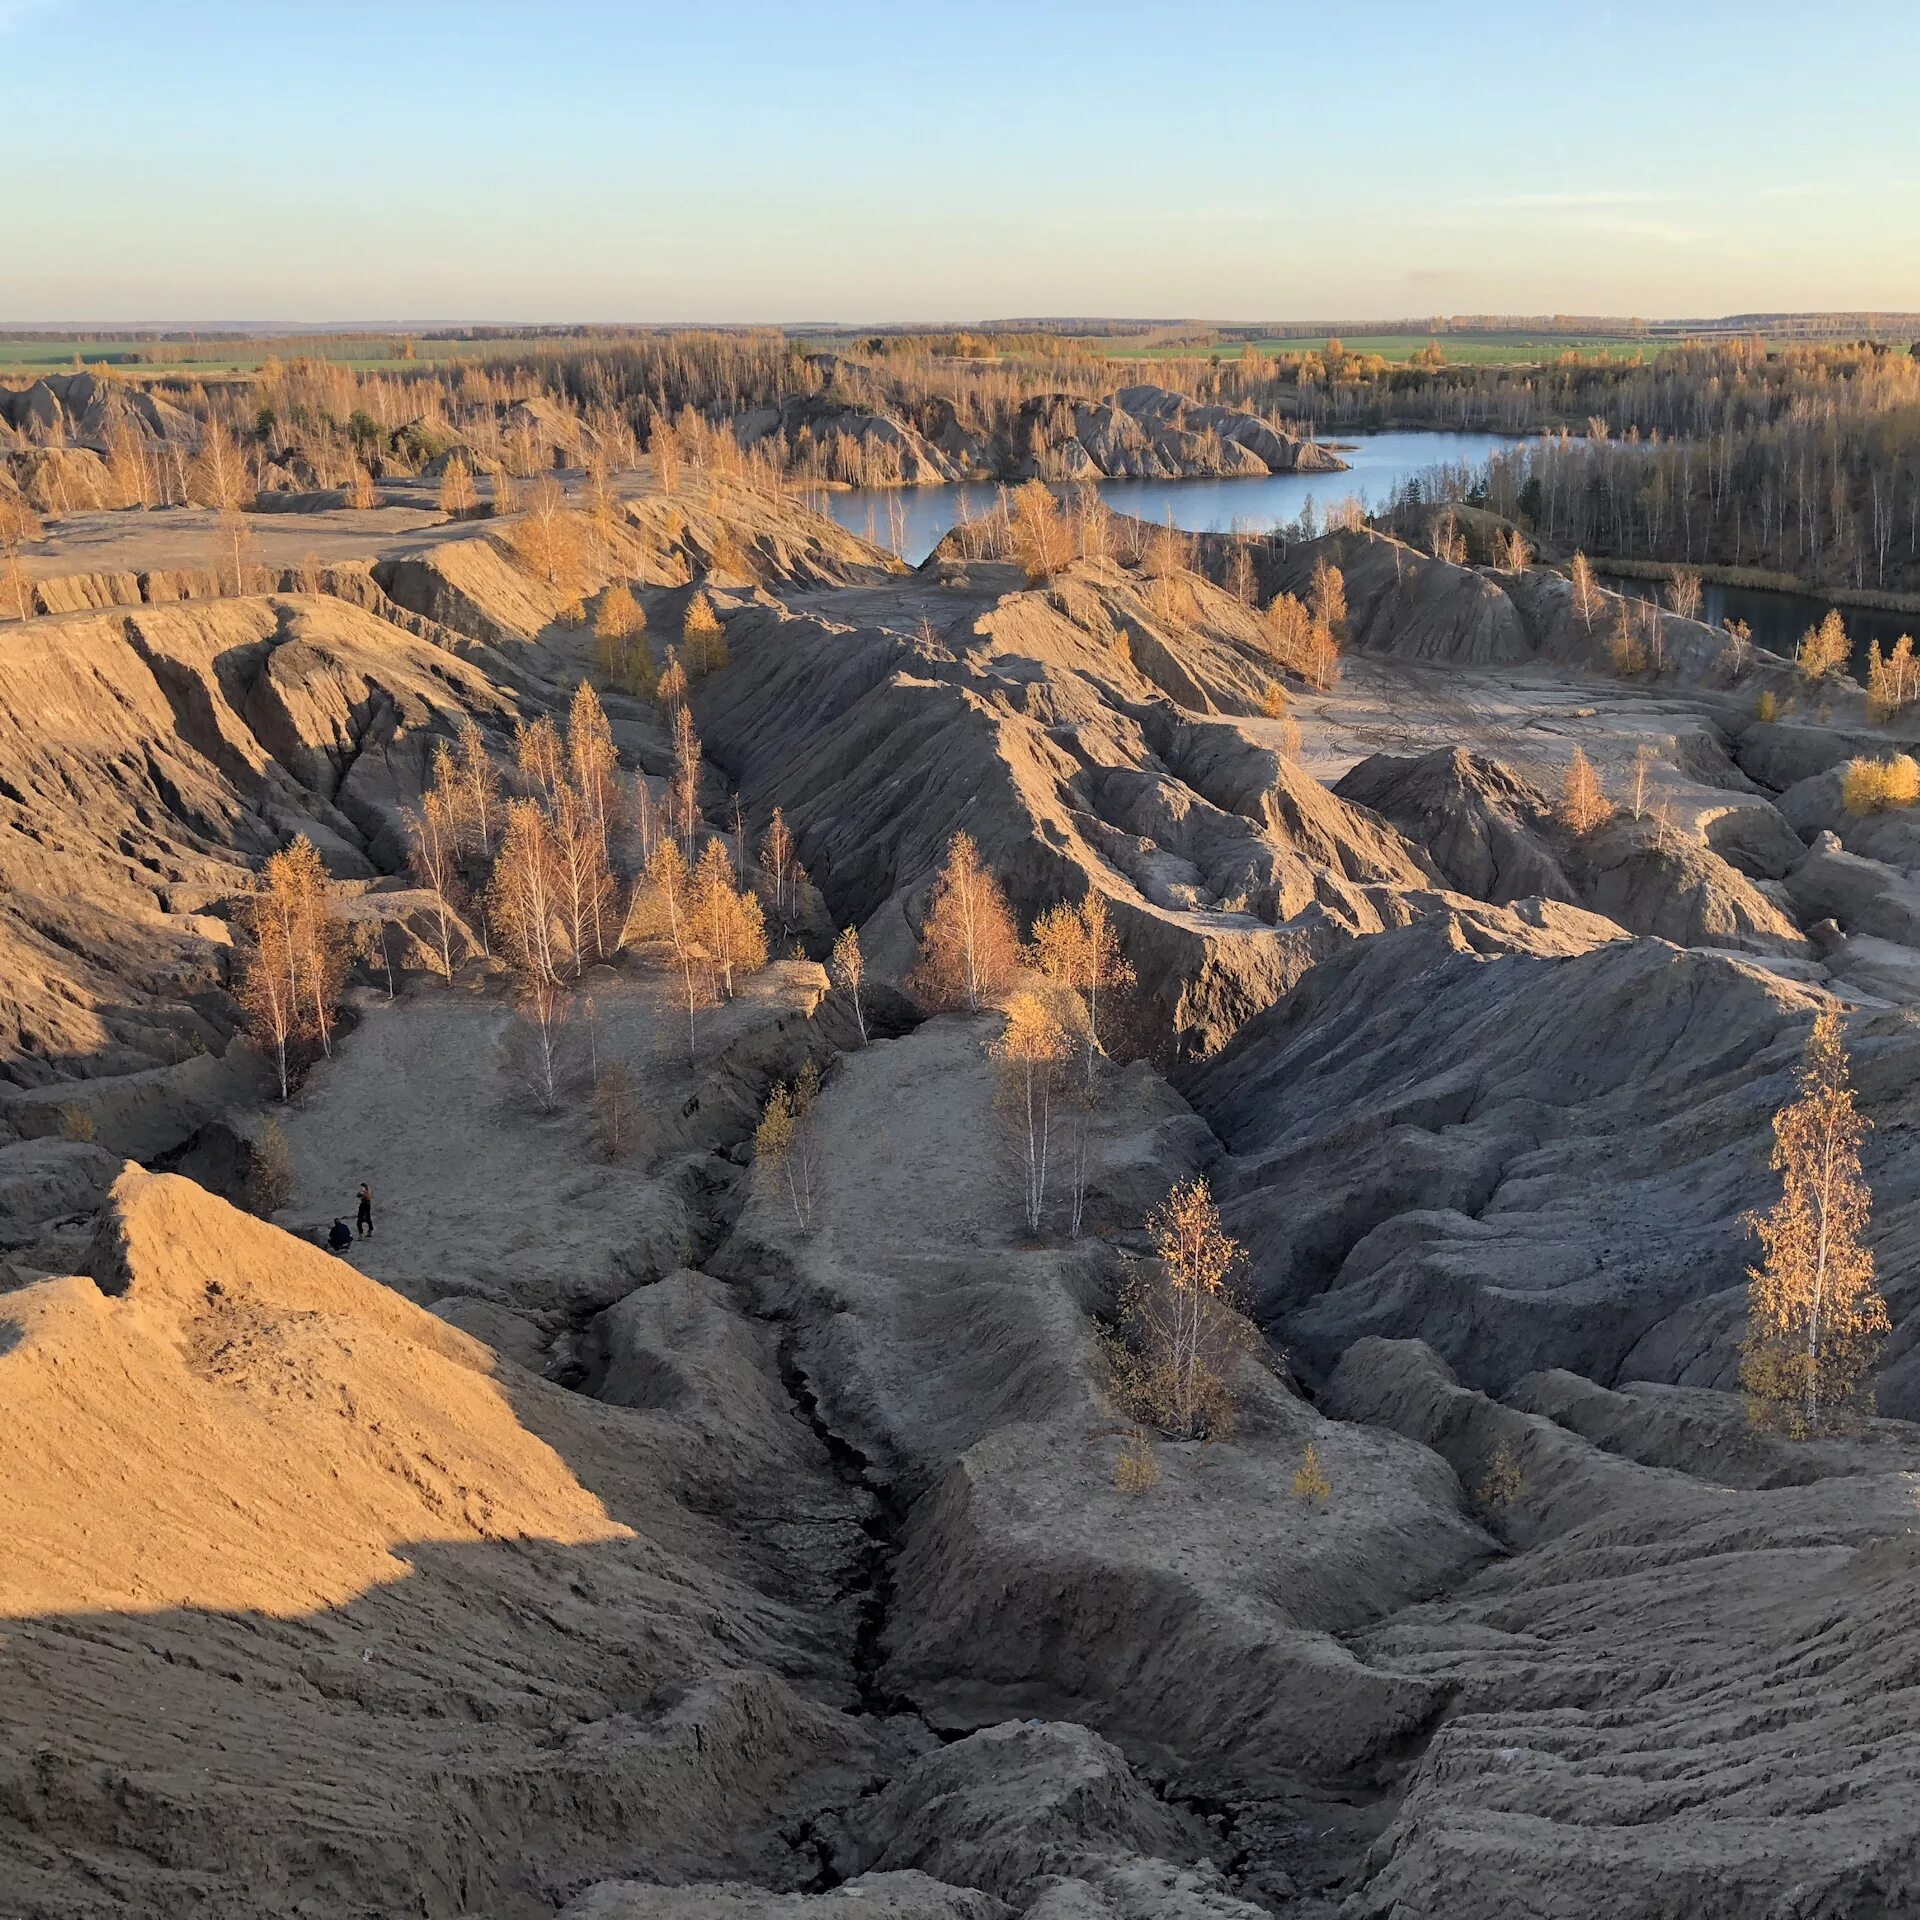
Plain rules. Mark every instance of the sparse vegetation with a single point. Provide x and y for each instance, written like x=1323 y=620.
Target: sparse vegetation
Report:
x=1584 y=806
x=1136 y=1471
x=845 y=969
x=294 y=959
x=1310 y=1483
x=1181 y=1337
x=1502 y=1482
x=1815 y=1317
x=786 y=1145
x=969 y=945
x=1880 y=786
x=1033 y=1053
x=1824 y=650
x=269 y=1171
x=1893 y=679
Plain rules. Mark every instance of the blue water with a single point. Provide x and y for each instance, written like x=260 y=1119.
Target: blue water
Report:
x=1779 y=620
x=912 y=520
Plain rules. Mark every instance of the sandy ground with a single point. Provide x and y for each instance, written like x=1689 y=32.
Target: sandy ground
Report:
x=478 y=1193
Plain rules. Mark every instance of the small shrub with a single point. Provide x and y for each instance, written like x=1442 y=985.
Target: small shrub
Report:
x=1893 y=679
x=704 y=639
x=1584 y=806
x=1502 y=1483
x=1879 y=786
x=613 y=1113
x=1181 y=1335
x=76 y=1122
x=1824 y=650
x=1626 y=652
x=1766 y=709
x=1136 y=1470
x=1310 y=1482
x=269 y=1172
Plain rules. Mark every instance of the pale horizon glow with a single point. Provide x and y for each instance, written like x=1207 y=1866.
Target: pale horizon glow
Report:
x=861 y=161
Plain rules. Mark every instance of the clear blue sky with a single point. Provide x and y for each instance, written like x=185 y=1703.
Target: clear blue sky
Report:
x=853 y=159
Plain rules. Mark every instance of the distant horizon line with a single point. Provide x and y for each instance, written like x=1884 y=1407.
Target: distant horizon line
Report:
x=1627 y=324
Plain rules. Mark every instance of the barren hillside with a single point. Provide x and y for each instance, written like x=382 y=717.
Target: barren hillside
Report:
x=658 y=1513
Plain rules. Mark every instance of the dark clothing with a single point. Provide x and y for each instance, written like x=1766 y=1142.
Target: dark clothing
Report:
x=340 y=1236
x=365 y=1219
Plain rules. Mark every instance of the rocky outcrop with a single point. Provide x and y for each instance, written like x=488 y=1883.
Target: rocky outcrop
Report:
x=1043 y=727
x=88 y=409
x=149 y=757
x=1137 y=433
x=1497 y=837
x=1529 y=1145
x=1688 y=1693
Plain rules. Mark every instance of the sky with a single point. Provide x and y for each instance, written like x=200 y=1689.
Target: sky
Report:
x=876 y=160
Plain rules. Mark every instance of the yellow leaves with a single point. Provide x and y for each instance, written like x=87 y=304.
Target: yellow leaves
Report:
x=1824 y=650
x=1310 y=1482
x=549 y=538
x=458 y=495
x=1079 y=948
x=1327 y=599
x=1815 y=1318
x=1041 y=538
x=969 y=945
x=1302 y=639
x=706 y=644
x=619 y=615
x=1878 y=786
x=1197 y=1253
x=786 y=1142
x=1036 y=1033
x=1893 y=679
x=1584 y=806
x=1136 y=1471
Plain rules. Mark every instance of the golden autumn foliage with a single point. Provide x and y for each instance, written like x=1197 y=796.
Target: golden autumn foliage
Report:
x=1879 y=786
x=459 y=497
x=969 y=945
x=1310 y=1482
x=1181 y=1335
x=670 y=689
x=549 y=538
x=1078 y=947
x=1815 y=1317
x=1893 y=678
x=1327 y=599
x=728 y=922
x=845 y=967
x=294 y=962
x=1584 y=806
x=1032 y=1055
x=786 y=1144
x=1041 y=538
x=1824 y=650
x=704 y=639
x=1587 y=599
x=1136 y=1470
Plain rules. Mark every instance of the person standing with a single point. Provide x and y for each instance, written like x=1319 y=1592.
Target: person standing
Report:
x=365 y=1219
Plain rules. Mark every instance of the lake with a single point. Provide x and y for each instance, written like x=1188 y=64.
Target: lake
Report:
x=1779 y=619
x=912 y=520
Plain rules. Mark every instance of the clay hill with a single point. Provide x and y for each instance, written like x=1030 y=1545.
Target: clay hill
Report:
x=1135 y=433
x=605 y=1538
